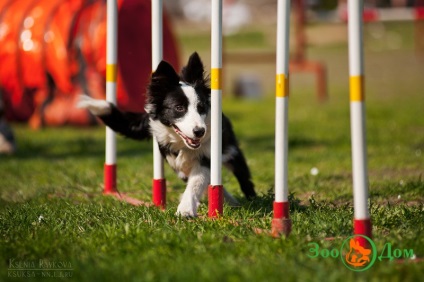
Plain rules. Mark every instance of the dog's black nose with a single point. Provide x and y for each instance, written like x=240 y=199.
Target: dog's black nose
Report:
x=199 y=131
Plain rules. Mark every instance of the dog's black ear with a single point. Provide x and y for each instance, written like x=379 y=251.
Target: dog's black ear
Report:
x=194 y=71
x=165 y=73
x=163 y=80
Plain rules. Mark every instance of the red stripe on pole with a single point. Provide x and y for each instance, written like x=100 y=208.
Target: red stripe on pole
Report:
x=216 y=200
x=281 y=223
x=281 y=209
x=419 y=13
x=362 y=227
x=159 y=193
x=110 y=179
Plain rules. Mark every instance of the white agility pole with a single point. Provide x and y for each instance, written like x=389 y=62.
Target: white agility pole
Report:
x=281 y=223
x=362 y=222
x=111 y=76
x=159 y=182
x=215 y=189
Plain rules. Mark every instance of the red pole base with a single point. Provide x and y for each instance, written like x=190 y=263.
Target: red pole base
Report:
x=159 y=193
x=109 y=179
x=281 y=223
x=215 y=200
x=362 y=227
x=110 y=188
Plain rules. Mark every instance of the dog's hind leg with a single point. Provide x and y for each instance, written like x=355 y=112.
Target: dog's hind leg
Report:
x=229 y=199
x=238 y=165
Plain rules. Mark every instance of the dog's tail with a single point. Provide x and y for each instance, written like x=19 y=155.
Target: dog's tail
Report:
x=131 y=125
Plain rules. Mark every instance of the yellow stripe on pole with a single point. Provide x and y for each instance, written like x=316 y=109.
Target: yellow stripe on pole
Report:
x=281 y=85
x=216 y=79
x=111 y=72
x=357 y=88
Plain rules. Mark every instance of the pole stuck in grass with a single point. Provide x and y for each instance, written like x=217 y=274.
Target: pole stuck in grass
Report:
x=362 y=222
x=111 y=76
x=215 y=189
x=281 y=223
x=159 y=182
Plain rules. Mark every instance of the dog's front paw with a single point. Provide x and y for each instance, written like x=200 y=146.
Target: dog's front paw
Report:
x=187 y=208
x=96 y=107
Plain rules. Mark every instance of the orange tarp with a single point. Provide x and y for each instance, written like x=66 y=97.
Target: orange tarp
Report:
x=53 y=50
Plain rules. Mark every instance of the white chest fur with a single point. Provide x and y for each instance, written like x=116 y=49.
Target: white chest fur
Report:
x=181 y=158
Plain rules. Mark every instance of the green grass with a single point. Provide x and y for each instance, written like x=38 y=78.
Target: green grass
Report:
x=52 y=208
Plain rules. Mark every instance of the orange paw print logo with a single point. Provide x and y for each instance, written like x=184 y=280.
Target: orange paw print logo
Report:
x=357 y=256
x=358 y=253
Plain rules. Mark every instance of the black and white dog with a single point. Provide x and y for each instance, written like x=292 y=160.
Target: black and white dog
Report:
x=178 y=115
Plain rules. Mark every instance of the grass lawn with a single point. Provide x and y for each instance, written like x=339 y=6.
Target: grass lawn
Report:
x=52 y=213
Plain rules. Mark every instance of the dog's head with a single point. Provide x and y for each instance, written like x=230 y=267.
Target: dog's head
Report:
x=181 y=102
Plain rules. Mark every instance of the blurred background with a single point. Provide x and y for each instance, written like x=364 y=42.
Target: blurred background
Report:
x=53 y=50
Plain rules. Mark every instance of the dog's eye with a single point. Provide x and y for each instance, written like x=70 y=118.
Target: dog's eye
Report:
x=180 y=108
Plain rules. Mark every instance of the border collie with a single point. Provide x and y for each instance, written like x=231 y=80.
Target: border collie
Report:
x=178 y=115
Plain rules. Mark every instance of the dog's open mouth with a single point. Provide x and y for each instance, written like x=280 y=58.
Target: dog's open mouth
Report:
x=192 y=143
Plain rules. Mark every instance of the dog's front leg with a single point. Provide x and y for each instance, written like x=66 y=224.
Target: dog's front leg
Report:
x=197 y=182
